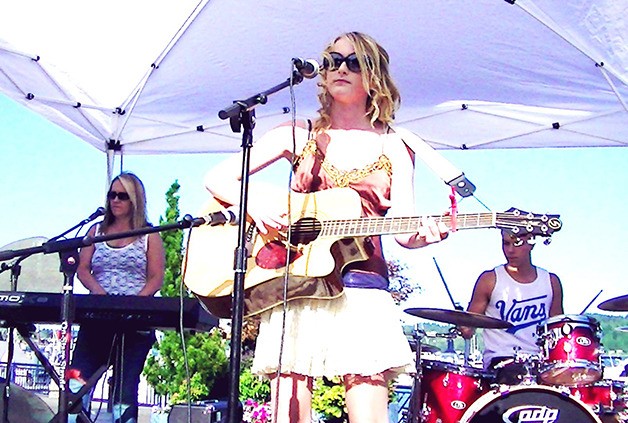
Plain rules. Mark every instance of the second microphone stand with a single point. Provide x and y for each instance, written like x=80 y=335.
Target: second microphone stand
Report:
x=68 y=250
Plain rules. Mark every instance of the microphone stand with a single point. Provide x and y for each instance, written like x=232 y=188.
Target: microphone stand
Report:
x=16 y=269
x=241 y=115
x=68 y=250
x=82 y=223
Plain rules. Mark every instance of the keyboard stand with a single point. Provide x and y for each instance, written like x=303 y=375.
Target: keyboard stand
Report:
x=25 y=332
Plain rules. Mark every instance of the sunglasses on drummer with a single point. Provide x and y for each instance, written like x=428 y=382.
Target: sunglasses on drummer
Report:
x=122 y=196
x=353 y=64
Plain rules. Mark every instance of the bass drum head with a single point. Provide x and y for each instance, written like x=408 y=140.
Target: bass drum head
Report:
x=528 y=404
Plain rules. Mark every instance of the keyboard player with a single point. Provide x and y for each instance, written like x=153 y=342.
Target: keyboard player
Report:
x=127 y=266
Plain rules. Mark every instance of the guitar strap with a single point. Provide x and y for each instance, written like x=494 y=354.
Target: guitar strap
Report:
x=320 y=146
x=435 y=161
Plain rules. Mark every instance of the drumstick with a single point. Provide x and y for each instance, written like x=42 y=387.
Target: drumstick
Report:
x=456 y=305
x=591 y=302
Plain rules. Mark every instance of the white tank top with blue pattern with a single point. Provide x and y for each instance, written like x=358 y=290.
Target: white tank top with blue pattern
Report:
x=120 y=270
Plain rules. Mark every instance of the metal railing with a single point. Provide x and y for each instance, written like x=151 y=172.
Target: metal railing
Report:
x=32 y=377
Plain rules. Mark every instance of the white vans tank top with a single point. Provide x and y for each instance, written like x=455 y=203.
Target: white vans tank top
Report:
x=522 y=304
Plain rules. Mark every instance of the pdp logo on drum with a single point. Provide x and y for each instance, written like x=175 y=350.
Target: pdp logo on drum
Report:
x=458 y=405
x=583 y=340
x=531 y=414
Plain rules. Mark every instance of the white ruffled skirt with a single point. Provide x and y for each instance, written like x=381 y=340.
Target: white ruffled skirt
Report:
x=358 y=333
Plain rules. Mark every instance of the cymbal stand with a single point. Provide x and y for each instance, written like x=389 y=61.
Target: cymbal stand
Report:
x=455 y=304
x=467 y=351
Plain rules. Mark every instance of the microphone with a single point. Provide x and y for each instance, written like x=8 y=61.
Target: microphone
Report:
x=308 y=68
x=223 y=217
x=100 y=211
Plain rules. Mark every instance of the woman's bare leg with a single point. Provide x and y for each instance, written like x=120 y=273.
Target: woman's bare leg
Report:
x=291 y=398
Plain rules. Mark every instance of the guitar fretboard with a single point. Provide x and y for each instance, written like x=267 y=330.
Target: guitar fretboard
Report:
x=398 y=225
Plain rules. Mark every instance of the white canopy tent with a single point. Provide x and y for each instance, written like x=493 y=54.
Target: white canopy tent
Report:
x=480 y=74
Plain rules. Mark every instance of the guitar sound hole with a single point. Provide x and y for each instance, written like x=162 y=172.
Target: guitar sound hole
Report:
x=305 y=231
x=273 y=255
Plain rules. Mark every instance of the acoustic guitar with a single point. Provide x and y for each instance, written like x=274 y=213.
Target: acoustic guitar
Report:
x=326 y=234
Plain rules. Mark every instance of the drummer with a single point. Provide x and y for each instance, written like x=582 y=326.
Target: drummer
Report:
x=520 y=293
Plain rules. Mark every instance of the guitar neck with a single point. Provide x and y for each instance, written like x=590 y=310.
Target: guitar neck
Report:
x=399 y=225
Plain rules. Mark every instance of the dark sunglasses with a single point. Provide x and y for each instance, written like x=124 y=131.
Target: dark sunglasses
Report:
x=122 y=196
x=353 y=64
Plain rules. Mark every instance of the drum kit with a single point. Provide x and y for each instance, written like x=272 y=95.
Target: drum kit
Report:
x=563 y=383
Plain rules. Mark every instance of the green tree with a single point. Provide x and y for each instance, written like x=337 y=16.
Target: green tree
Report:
x=199 y=357
x=400 y=285
x=173 y=244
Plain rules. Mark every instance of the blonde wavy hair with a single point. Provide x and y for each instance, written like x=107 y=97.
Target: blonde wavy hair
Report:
x=383 y=99
x=137 y=194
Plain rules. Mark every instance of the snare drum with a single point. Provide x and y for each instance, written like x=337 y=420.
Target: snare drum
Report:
x=604 y=397
x=447 y=390
x=570 y=346
x=534 y=404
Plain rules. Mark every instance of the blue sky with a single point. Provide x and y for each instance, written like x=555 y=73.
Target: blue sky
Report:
x=52 y=180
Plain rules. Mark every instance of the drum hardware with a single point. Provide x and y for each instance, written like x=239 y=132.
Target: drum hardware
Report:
x=570 y=345
x=413 y=415
x=615 y=304
x=449 y=389
x=441 y=391
x=417 y=341
x=604 y=397
x=522 y=369
x=459 y=318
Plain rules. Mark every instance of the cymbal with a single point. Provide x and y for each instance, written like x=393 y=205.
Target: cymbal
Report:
x=23 y=403
x=615 y=304
x=39 y=272
x=461 y=318
x=427 y=348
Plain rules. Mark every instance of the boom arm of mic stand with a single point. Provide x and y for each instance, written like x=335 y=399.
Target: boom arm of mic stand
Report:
x=238 y=106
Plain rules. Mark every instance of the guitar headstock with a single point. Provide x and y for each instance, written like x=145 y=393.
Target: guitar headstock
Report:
x=520 y=222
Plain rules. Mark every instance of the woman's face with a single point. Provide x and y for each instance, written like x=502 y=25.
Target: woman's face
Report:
x=120 y=207
x=344 y=85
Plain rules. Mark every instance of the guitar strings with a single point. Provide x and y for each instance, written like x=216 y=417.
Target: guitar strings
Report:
x=310 y=228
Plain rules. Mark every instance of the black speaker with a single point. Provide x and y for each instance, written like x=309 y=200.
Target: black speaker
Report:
x=211 y=411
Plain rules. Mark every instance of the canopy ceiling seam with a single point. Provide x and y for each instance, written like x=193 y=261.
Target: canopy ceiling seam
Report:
x=17 y=87
x=541 y=128
x=195 y=128
x=544 y=22
x=563 y=123
x=68 y=96
x=617 y=141
x=431 y=115
x=174 y=134
x=510 y=118
x=604 y=72
x=182 y=29
x=129 y=104
x=30 y=56
x=73 y=103
x=30 y=96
